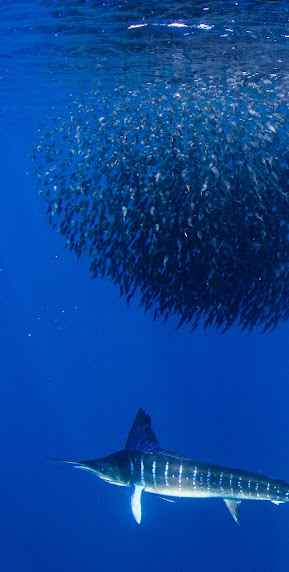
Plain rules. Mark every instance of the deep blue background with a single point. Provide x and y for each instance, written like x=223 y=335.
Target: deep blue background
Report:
x=76 y=365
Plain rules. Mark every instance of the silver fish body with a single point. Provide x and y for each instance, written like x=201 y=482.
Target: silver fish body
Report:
x=172 y=475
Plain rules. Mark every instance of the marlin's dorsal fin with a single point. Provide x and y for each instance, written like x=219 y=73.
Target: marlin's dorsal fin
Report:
x=141 y=436
x=234 y=508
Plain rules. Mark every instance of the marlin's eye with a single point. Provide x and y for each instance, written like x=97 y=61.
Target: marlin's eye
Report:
x=101 y=468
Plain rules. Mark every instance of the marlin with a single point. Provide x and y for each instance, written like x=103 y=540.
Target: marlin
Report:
x=144 y=466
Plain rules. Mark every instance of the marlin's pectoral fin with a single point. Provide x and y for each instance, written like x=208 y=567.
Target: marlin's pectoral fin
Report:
x=135 y=502
x=234 y=508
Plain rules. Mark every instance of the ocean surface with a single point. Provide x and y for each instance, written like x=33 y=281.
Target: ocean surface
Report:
x=77 y=363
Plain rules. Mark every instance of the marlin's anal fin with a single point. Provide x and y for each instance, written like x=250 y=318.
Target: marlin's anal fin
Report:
x=135 y=502
x=277 y=502
x=234 y=508
x=167 y=500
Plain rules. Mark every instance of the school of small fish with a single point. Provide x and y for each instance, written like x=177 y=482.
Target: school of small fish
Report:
x=178 y=194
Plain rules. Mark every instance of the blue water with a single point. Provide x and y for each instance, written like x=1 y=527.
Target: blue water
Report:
x=77 y=364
